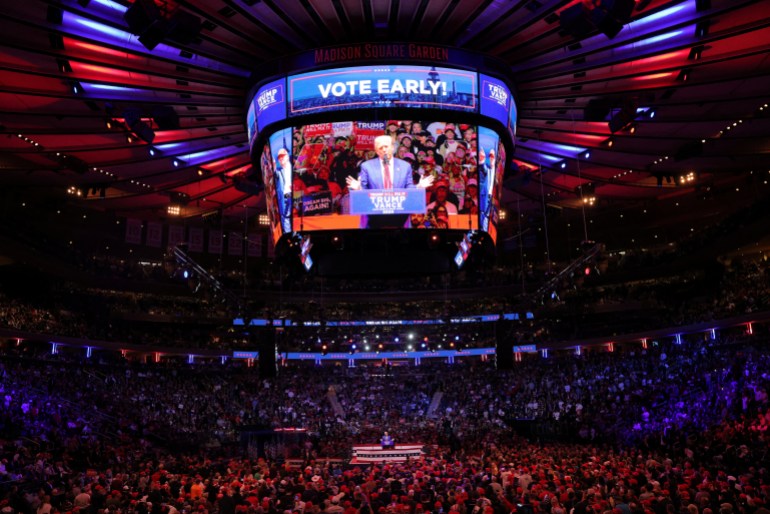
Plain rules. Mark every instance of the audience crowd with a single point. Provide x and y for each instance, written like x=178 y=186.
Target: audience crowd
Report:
x=662 y=429
x=667 y=429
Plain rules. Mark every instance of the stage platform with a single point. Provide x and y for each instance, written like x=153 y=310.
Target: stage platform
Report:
x=367 y=454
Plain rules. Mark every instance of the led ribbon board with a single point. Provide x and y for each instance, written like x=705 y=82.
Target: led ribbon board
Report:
x=383 y=86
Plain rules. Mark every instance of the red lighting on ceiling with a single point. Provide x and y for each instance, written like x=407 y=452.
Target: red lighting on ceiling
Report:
x=679 y=54
x=68 y=42
x=525 y=166
x=654 y=76
x=587 y=138
x=82 y=68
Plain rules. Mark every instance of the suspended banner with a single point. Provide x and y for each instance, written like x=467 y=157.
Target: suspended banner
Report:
x=215 y=241
x=195 y=241
x=235 y=243
x=133 y=231
x=154 y=234
x=254 y=245
x=175 y=235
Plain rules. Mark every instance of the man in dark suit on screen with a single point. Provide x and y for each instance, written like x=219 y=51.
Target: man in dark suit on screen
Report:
x=386 y=172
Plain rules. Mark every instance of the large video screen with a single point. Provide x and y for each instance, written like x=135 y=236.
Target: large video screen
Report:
x=272 y=199
x=496 y=100
x=383 y=86
x=441 y=172
x=380 y=86
x=280 y=156
x=251 y=124
x=329 y=176
x=270 y=103
x=489 y=142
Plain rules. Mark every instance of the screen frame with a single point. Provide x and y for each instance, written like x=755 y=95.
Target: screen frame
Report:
x=384 y=79
x=339 y=220
x=375 y=113
x=504 y=131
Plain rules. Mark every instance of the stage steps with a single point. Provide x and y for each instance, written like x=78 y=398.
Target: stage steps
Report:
x=434 y=404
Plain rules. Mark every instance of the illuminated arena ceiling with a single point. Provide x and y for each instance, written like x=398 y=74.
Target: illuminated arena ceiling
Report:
x=675 y=103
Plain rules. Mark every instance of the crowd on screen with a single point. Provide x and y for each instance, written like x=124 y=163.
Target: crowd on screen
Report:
x=667 y=429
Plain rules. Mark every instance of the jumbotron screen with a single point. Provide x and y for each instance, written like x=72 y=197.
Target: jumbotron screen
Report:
x=380 y=86
x=383 y=86
x=306 y=170
x=435 y=168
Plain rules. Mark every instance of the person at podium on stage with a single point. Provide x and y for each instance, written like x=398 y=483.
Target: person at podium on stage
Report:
x=384 y=173
x=386 y=441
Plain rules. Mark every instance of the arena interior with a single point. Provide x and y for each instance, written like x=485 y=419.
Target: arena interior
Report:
x=384 y=257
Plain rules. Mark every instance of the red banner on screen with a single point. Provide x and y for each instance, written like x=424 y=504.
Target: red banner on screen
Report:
x=366 y=132
x=318 y=129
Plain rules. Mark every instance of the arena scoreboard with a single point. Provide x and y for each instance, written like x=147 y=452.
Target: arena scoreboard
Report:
x=312 y=121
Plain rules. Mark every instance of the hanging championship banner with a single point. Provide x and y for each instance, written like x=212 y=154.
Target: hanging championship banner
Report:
x=254 y=245
x=215 y=241
x=235 y=243
x=195 y=241
x=175 y=235
x=134 y=231
x=154 y=234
